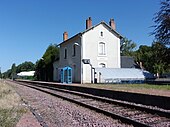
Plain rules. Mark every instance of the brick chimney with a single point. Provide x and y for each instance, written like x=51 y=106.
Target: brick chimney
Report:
x=112 y=24
x=65 y=36
x=88 y=23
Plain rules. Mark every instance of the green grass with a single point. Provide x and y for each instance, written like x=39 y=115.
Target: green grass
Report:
x=129 y=86
x=160 y=90
x=144 y=86
x=9 y=117
x=10 y=106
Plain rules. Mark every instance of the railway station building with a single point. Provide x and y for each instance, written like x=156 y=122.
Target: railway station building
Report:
x=91 y=54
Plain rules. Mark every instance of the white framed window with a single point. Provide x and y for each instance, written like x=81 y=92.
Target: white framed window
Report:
x=102 y=48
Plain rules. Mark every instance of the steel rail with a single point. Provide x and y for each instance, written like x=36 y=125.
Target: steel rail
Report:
x=113 y=115
x=107 y=100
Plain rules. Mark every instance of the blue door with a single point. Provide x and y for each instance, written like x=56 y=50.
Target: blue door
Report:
x=66 y=75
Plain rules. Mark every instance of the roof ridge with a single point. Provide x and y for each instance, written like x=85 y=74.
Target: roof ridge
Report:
x=86 y=30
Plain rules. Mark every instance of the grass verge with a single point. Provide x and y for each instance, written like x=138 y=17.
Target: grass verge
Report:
x=10 y=106
x=151 y=89
x=129 y=86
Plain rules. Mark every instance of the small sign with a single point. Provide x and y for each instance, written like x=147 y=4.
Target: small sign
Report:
x=86 y=61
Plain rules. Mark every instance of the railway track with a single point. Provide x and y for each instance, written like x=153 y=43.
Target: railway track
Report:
x=136 y=115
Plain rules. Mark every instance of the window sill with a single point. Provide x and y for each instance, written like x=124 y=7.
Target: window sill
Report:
x=103 y=55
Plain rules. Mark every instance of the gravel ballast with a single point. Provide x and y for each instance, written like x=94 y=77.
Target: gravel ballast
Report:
x=56 y=112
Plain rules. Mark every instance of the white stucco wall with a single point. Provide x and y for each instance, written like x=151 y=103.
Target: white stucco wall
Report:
x=88 y=46
x=72 y=61
x=91 y=41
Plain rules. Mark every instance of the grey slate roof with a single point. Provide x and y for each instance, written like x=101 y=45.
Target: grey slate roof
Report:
x=127 y=62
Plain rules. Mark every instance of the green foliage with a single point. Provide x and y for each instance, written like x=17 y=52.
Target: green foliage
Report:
x=162 y=23
x=7 y=74
x=44 y=66
x=144 y=55
x=159 y=56
x=40 y=70
x=51 y=54
x=155 y=58
x=11 y=73
x=26 y=66
x=127 y=47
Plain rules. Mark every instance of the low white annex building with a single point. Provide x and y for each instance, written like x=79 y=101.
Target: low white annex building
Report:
x=96 y=47
x=26 y=73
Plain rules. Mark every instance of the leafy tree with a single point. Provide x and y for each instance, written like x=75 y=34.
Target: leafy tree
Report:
x=154 y=58
x=51 y=54
x=7 y=74
x=127 y=47
x=143 y=54
x=160 y=56
x=44 y=66
x=162 y=23
x=13 y=71
x=167 y=60
x=26 y=66
x=40 y=70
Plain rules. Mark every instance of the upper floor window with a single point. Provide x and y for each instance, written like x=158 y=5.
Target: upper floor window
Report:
x=74 y=50
x=65 y=53
x=102 y=50
x=101 y=34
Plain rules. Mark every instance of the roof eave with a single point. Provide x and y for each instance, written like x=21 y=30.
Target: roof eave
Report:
x=114 y=31
x=79 y=34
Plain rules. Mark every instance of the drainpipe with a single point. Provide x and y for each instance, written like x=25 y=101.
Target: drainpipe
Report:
x=81 y=57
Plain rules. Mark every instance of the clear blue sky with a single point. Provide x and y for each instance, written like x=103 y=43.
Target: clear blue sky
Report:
x=28 y=27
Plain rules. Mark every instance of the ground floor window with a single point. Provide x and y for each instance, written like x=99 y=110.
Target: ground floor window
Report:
x=102 y=65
